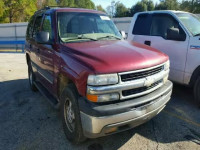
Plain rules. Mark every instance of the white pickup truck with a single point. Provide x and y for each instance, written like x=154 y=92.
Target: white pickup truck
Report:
x=177 y=34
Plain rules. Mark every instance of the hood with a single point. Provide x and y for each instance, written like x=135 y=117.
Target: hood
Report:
x=115 y=56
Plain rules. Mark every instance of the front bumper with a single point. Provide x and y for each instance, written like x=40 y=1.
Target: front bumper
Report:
x=138 y=111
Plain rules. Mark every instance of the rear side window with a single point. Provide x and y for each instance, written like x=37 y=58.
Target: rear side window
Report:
x=30 y=28
x=37 y=25
x=142 y=25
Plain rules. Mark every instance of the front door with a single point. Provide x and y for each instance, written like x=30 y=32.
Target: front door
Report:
x=46 y=56
x=156 y=36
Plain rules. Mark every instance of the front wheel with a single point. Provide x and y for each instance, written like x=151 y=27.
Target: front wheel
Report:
x=197 y=91
x=71 y=115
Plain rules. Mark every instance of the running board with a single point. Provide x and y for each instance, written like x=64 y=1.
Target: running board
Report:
x=47 y=95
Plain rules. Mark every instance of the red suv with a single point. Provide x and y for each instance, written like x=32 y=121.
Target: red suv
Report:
x=101 y=83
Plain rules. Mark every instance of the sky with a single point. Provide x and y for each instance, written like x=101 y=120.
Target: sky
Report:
x=127 y=3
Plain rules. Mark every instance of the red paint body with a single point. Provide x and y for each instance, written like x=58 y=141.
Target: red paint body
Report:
x=101 y=57
x=77 y=60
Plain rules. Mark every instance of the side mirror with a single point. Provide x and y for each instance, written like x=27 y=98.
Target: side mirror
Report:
x=174 y=34
x=42 y=37
x=123 y=34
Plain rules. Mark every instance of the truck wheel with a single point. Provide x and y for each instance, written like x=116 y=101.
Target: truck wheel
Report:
x=31 y=78
x=197 y=91
x=71 y=115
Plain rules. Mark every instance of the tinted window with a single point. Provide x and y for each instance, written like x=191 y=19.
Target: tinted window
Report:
x=37 y=25
x=47 y=25
x=191 y=22
x=30 y=27
x=73 y=26
x=142 y=25
x=161 y=23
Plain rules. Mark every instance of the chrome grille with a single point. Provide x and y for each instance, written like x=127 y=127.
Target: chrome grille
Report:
x=139 y=90
x=142 y=74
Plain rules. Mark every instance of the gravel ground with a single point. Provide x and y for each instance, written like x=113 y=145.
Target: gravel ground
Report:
x=27 y=121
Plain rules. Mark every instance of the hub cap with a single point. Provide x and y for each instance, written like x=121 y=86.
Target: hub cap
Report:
x=69 y=115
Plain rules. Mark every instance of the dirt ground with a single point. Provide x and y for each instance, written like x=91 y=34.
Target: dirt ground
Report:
x=27 y=120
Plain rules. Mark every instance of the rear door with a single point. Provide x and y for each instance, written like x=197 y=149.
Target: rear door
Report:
x=154 y=34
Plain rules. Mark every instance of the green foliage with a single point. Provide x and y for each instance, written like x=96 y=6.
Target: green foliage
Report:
x=17 y=10
x=67 y=3
x=1 y=8
x=84 y=4
x=22 y=10
x=168 y=5
x=50 y=3
x=100 y=8
x=192 y=6
x=121 y=10
x=144 y=5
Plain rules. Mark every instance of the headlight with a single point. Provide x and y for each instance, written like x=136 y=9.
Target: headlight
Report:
x=167 y=65
x=103 y=97
x=106 y=79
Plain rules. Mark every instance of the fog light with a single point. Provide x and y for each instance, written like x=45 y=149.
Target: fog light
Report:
x=103 y=97
x=165 y=79
x=110 y=130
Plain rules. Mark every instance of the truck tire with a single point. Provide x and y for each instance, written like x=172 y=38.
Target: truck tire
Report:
x=71 y=115
x=31 y=78
x=197 y=91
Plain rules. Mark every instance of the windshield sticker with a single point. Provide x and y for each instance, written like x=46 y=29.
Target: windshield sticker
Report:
x=104 y=18
x=195 y=47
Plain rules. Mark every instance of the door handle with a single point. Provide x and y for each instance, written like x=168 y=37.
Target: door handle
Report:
x=147 y=43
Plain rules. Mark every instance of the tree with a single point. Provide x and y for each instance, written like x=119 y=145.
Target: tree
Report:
x=50 y=3
x=150 y=5
x=139 y=7
x=192 y=6
x=67 y=3
x=84 y=4
x=1 y=8
x=121 y=10
x=144 y=5
x=18 y=10
x=168 y=5
x=100 y=8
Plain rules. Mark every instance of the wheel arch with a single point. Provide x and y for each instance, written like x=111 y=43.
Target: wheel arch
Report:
x=194 y=76
x=27 y=58
x=63 y=82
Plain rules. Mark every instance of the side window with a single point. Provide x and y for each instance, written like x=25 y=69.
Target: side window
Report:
x=37 y=25
x=47 y=25
x=161 y=23
x=30 y=28
x=142 y=25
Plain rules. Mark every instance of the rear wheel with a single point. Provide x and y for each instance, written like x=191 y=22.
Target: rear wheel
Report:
x=31 y=78
x=71 y=115
x=197 y=91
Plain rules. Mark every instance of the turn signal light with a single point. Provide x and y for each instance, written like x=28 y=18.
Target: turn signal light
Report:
x=93 y=98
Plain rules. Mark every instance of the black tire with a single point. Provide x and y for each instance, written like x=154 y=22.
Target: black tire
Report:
x=197 y=91
x=31 y=78
x=71 y=115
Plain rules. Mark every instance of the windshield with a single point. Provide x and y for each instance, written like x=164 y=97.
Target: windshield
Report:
x=80 y=27
x=191 y=22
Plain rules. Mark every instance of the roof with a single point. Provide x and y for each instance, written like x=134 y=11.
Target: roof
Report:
x=66 y=9
x=164 y=11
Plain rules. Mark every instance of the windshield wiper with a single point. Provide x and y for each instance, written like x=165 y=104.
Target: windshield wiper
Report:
x=81 y=36
x=109 y=36
x=197 y=34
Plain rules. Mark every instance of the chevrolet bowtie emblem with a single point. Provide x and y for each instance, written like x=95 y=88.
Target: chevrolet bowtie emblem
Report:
x=149 y=81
